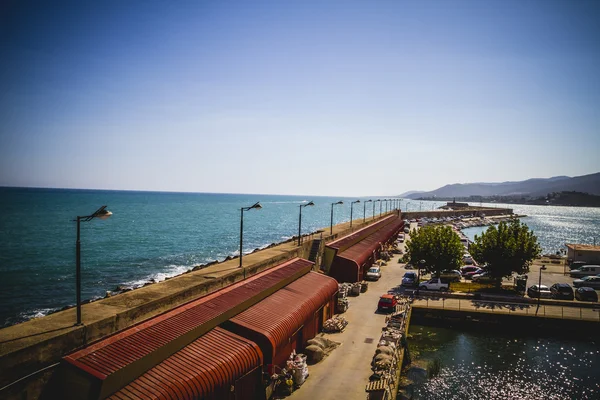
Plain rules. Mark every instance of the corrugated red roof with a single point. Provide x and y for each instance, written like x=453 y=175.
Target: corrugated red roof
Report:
x=142 y=346
x=212 y=362
x=280 y=315
x=361 y=251
x=360 y=234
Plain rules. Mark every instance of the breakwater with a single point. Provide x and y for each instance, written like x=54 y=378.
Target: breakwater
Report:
x=33 y=349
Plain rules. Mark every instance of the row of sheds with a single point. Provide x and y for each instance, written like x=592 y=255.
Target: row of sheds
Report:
x=349 y=258
x=217 y=347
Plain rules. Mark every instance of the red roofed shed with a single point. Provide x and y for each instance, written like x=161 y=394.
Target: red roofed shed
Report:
x=284 y=321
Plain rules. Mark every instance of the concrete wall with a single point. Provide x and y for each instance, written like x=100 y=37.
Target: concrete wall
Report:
x=475 y=211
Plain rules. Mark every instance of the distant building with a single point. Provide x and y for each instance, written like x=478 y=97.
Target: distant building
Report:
x=454 y=205
x=583 y=252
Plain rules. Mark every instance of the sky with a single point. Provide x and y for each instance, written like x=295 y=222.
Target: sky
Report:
x=351 y=98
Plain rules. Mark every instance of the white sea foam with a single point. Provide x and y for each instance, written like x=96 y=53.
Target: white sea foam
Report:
x=171 y=271
x=38 y=313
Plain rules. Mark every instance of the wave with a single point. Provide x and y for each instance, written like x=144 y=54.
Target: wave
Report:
x=173 y=270
x=37 y=313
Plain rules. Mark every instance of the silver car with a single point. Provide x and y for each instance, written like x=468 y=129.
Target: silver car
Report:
x=588 y=281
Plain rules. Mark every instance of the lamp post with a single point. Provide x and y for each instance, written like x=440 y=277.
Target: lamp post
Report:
x=310 y=203
x=256 y=206
x=374 y=207
x=331 y=224
x=365 y=209
x=101 y=213
x=351 y=204
x=380 y=206
x=542 y=268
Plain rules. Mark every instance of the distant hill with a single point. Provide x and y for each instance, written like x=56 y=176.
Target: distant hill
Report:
x=406 y=194
x=531 y=187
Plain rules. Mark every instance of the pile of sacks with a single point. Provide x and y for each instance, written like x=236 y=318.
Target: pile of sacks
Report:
x=318 y=347
x=297 y=365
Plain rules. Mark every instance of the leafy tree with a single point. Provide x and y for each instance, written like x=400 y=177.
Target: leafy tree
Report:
x=439 y=246
x=511 y=247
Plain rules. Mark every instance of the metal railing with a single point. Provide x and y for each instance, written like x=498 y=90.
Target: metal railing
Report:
x=485 y=306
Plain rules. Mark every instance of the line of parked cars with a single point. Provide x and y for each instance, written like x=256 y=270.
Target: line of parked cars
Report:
x=562 y=291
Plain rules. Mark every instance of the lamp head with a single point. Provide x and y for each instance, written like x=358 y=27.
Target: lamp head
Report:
x=368 y=201
x=543 y=268
x=104 y=214
x=101 y=213
x=357 y=201
x=310 y=203
x=256 y=205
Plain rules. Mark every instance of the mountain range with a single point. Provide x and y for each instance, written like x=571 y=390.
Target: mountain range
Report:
x=528 y=188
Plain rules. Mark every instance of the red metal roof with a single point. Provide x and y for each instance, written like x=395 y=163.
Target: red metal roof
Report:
x=280 y=315
x=349 y=240
x=361 y=251
x=214 y=361
x=140 y=347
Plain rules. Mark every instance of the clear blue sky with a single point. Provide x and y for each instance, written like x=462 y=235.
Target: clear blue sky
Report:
x=297 y=97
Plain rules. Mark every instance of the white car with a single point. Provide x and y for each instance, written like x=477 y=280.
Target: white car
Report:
x=373 y=274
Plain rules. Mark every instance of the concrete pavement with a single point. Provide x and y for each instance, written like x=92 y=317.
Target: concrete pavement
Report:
x=345 y=372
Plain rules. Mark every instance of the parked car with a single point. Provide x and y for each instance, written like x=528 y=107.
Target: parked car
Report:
x=586 y=294
x=483 y=277
x=562 y=291
x=541 y=291
x=387 y=302
x=467 y=259
x=588 y=281
x=401 y=238
x=577 y=264
x=409 y=279
x=434 y=284
x=451 y=275
x=585 y=271
x=470 y=268
x=406 y=230
x=373 y=274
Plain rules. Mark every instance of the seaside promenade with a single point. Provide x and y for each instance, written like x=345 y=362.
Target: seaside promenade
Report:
x=37 y=346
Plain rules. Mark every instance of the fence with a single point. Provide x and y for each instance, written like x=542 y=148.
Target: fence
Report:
x=481 y=306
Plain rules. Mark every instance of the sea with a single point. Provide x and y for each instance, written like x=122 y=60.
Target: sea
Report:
x=152 y=236
x=498 y=365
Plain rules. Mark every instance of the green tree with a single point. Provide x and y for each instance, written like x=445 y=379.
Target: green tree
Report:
x=439 y=246
x=511 y=247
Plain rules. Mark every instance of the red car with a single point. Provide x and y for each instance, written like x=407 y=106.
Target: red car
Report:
x=387 y=302
x=470 y=274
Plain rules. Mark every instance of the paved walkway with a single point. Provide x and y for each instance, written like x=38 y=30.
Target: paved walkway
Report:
x=345 y=372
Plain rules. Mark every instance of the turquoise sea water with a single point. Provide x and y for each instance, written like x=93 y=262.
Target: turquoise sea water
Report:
x=150 y=236
x=154 y=235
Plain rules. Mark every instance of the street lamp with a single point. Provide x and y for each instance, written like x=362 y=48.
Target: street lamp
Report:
x=542 y=268
x=351 y=204
x=258 y=207
x=374 y=207
x=380 y=206
x=331 y=224
x=101 y=213
x=365 y=209
x=310 y=203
